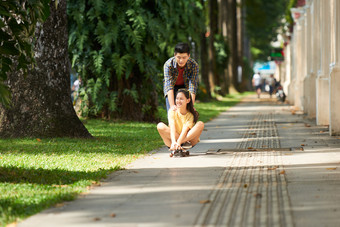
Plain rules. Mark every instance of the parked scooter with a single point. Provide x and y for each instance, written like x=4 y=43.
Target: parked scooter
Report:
x=280 y=94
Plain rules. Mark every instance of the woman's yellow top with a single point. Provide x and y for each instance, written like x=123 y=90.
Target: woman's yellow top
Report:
x=181 y=120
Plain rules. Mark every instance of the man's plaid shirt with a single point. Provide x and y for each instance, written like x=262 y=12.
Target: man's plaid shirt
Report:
x=190 y=75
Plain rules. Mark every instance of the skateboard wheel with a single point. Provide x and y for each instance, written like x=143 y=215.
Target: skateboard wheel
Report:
x=183 y=153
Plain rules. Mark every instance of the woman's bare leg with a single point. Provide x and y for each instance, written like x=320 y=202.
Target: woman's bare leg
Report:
x=195 y=133
x=164 y=132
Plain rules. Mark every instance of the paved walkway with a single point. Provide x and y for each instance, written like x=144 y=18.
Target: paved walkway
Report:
x=259 y=164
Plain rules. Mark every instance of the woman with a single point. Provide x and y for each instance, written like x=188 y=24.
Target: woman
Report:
x=184 y=129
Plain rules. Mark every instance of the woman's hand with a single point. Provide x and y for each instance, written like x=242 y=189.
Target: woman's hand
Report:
x=175 y=146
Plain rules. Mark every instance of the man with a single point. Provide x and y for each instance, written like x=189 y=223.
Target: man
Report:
x=180 y=71
x=75 y=90
x=271 y=81
x=257 y=83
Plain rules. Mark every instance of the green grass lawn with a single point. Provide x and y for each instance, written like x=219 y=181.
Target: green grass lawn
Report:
x=38 y=173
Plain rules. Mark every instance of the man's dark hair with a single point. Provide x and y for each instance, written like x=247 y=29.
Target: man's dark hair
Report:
x=182 y=48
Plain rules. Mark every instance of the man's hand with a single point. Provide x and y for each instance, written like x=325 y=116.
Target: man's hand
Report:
x=173 y=108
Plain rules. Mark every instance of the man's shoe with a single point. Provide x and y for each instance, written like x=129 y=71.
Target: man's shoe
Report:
x=186 y=145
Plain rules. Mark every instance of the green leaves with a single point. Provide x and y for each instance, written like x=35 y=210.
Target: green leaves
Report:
x=97 y=60
x=124 y=44
x=263 y=20
x=120 y=63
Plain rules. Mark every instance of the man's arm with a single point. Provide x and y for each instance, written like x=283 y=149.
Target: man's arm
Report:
x=193 y=97
x=171 y=98
x=193 y=81
x=168 y=82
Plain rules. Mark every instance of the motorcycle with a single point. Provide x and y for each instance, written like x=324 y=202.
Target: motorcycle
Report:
x=280 y=94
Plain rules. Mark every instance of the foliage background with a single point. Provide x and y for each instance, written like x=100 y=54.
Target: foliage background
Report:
x=117 y=47
x=263 y=19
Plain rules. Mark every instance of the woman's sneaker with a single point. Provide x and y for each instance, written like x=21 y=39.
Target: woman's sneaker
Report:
x=186 y=145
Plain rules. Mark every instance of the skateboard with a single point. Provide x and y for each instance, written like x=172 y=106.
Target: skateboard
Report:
x=179 y=153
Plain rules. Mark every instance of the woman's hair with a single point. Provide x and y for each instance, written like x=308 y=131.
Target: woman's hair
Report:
x=190 y=105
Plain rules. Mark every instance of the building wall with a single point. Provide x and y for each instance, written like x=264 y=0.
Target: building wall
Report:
x=313 y=67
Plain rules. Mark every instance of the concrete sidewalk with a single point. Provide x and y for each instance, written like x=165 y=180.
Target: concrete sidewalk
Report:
x=258 y=164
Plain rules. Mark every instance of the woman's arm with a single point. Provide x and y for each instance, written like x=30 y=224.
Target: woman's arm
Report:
x=183 y=135
x=174 y=143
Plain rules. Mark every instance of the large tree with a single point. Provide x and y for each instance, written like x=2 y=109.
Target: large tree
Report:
x=41 y=105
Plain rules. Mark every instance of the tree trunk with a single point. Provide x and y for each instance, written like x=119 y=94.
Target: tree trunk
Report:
x=232 y=38
x=204 y=68
x=204 y=64
x=41 y=102
x=213 y=15
x=222 y=20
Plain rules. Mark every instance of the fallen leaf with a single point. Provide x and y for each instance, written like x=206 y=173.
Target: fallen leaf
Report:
x=283 y=172
x=59 y=205
x=96 y=219
x=253 y=133
x=258 y=195
x=272 y=168
x=205 y=201
x=112 y=215
x=249 y=148
x=303 y=145
x=95 y=183
x=307 y=125
x=39 y=140
x=331 y=168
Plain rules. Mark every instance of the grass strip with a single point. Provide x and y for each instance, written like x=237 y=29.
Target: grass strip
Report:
x=38 y=173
